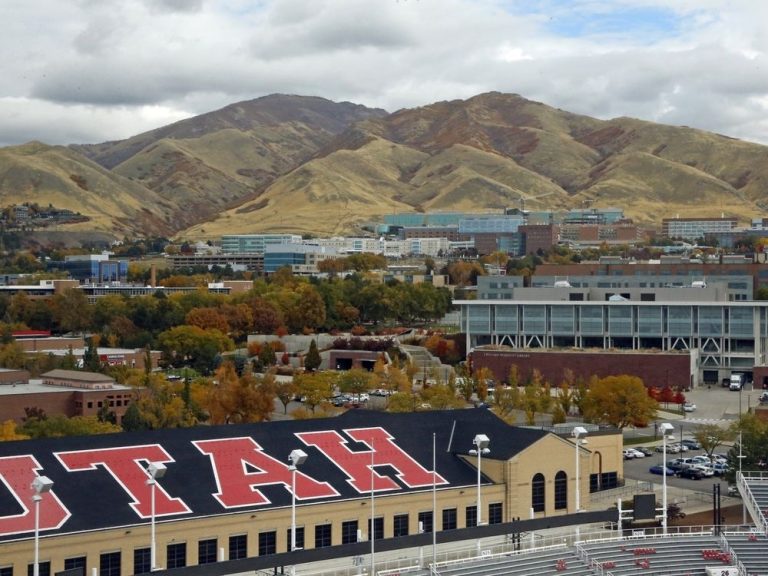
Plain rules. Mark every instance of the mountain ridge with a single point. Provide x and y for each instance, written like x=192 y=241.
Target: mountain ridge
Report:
x=312 y=166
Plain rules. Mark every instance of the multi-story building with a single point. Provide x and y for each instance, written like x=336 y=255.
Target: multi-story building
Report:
x=227 y=492
x=693 y=228
x=239 y=243
x=726 y=335
x=300 y=258
x=64 y=393
x=253 y=261
x=96 y=268
x=744 y=276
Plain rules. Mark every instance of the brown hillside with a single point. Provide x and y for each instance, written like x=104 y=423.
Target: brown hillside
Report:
x=308 y=165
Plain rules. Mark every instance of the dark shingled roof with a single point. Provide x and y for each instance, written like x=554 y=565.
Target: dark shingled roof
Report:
x=96 y=500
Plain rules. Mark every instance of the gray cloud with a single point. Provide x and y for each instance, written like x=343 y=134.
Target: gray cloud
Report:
x=95 y=70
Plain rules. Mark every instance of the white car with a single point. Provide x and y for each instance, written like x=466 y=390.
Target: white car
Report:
x=636 y=453
x=706 y=470
x=689 y=407
x=629 y=453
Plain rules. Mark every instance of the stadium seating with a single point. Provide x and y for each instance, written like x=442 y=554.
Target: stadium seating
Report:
x=750 y=549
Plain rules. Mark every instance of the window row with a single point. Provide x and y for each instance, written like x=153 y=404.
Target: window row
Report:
x=208 y=549
x=539 y=495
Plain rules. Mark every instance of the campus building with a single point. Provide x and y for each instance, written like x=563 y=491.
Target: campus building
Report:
x=227 y=491
x=723 y=335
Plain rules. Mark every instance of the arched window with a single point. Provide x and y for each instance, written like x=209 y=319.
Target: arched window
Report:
x=561 y=491
x=538 y=500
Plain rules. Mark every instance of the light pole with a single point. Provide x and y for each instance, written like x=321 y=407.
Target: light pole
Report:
x=156 y=471
x=480 y=442
x=297 y=458
x=577 y=433
x=41 y=485
x=665 y=428
x=741 y=456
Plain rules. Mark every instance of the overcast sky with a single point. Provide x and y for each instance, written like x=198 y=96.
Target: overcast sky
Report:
x=96 y=70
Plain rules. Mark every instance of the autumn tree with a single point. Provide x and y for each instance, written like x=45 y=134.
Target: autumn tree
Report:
x=712 y=436
x=285 y=390
x=355 y=381
x=193 y=345
x=315 y=388
x=207 y=318
x=620 y=401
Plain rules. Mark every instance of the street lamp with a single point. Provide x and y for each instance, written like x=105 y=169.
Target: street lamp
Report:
x=296 y=458
x=480 y=442
x=156 y=471
x=741 y=457
x=41 y=485
x=665 y=428
x=577 y=433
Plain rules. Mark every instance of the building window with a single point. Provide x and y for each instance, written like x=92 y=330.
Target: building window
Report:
x=471 y=516
x=561 y=491
x=349 y=532
x=425 y=521
x=109 y=564
x=6 y=570
x=238 y=546
x=299 y=537
x=378 y=528
x=73 y=563
x=43 y=567
x=322 y=535
x=176 y=556
x=206 y=551
x=142 y=560
x=267 y=543
x=400 y=525
x=449 y=519
x=495 y=513
x=537 y=493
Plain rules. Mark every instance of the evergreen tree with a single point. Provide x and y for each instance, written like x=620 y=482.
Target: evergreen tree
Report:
x=312 y=360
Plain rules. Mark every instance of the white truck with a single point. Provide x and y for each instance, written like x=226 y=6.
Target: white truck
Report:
x=737 y=382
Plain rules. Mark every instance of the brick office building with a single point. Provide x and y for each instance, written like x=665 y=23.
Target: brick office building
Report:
x=674 y=368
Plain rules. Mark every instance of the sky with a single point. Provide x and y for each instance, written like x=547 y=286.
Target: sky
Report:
x=87 y=71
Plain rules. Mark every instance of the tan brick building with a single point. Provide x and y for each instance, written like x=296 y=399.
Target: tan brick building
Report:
x=227 y=491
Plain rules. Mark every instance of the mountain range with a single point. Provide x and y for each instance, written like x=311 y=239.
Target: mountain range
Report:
x=307 y=165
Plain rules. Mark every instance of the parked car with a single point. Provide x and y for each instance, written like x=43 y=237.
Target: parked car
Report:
x=720 y=468
x=638 y=453
x=689 y=407
x=701 y=460
x=659 y=469
x=692 y=444
x=671 y=448
x=645 y=450
x=675 y=465
x=763 y=397
x=705 y=470
x=691 y=473
x=629 y=453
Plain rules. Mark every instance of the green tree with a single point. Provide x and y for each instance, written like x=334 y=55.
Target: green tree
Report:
x=312 y=360
x=194 y=346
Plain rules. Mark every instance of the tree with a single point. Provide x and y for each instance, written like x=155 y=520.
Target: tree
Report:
x=712 y=436
x=91 y=360
x=355 y=381
x=285 y=390
x=619 y=401
x=312 y=360
x=194 y=346
x=315 y=388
